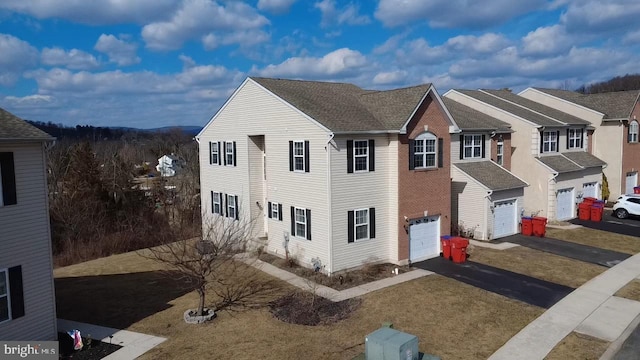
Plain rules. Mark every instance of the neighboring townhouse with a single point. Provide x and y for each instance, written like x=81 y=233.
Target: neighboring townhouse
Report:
x=340 y=175
x=614 y=115
x=548 y=151
x=486 y=198
x=27 y=301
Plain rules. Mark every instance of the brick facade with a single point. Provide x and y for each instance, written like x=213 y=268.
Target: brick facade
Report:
x=424 y=189
x=630 y=151
x=590 y=142
x=506 y=149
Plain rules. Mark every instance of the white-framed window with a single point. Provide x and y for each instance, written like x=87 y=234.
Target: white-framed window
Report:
x=424 y=151
x=500 y=153
x=633 y=131
x=473 y=146
x=215 y=155
x=232 y=206
x=275 y=211
x=5 y=314
x=574 y=138
x=550 y=141
x=229 y=153
x=361 y=224
x=298 y=156
x=216 y=202
x=301 y=222
x=361 y=155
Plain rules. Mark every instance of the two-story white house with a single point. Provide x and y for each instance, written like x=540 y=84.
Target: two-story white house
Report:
x=27 y=301
x=614 y=115
x=340 y=175
x=548 y=151
x=486 y=198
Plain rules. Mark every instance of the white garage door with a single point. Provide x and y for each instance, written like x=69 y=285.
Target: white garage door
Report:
x=424 y=238
x=590 y=190
x=564 y=204
x=632 y=181
x=504 y=218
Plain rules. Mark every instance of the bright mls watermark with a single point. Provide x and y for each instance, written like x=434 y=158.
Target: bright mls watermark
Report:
x=42 y=350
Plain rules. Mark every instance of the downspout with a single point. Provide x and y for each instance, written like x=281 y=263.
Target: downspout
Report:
x=486 y=218
x=329 y=222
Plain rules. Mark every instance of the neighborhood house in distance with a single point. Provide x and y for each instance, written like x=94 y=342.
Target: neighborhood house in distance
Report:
x=27 y=302
x=339 y=176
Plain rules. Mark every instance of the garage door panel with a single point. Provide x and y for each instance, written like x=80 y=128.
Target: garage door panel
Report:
x=564 y=204
x=504 y=218
x=424 y=239
x=631 y=182
x=590 y=190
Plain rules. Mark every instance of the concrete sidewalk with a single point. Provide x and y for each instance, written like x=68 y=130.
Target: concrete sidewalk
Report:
x=591 y=309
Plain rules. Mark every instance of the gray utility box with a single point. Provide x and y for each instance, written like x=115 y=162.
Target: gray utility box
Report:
x=390 y=344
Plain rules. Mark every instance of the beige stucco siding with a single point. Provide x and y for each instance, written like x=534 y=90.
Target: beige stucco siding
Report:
x=254 y=111
x=25 y=240
x=607 y=144
x=469 y=205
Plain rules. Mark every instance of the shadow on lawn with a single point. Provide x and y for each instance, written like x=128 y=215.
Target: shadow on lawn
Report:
x=117 y=300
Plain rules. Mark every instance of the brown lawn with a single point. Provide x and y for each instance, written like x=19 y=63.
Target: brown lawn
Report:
x=578 y=346
x=630 y=291
x=597 y=238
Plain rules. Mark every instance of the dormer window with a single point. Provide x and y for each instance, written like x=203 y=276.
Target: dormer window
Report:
x=574 y=138
x=549 y=141
x=473 y=146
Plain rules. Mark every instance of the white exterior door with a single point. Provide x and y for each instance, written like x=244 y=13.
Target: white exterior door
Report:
x=564 y=204
x=632 y=181
x=504 y=218
x=590 y=190
x=424 y=239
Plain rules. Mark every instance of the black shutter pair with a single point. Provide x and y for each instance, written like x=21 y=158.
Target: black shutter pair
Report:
x=16 y=292
x=270 y=213
x=351 y=223
x=219 y=160
x=293 y=222
x=8 y=175
x=371 y=151
x=224 y=153
x=306 y=156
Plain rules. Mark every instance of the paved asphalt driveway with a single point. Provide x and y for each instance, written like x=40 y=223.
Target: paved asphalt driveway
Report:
x=629 y=226
x=507 y=283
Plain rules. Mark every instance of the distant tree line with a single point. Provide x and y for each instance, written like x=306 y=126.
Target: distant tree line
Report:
x=618 y=83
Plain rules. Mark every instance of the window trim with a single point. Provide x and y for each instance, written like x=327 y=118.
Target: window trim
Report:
x=424 y=137
x=234 y=206
x=229 y=145
x=7 y=295
x=218 y=203
x=634 y=135
x=215 y=154
x=356 y=225
x=575 y=136
x=473 y=146
x=365 y=156
x=549 y=141
x=304 y=165
x=304 y=212
x=275 y=212
x=500 y=152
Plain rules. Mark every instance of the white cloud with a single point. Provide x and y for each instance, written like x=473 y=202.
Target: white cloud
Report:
x=632 y=37
x=197 y=18
x=348 y=15
x=16 y=56
x=453 y=13
x=73 y=59
x=119 y=51
x=390 y=77
x=94 y=12
x=341 y=62
x=245 y=38
x=549 y=40
x=275 y=6
x=391 y=44
x=600 y=16
x=485 y=43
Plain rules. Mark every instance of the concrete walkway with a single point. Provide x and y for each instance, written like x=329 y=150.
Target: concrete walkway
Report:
x=133 y=344
x=591 y=309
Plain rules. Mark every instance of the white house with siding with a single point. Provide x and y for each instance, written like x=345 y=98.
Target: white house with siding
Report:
x=27 y=301
x=315 y=166
x=549 y=151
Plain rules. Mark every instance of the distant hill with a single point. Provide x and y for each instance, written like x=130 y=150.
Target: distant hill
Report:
x=618 y=83
x=105 y=133
x=191 y=130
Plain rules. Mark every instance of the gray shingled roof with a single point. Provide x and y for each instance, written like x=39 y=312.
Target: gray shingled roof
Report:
x=559 y=163
x=491 y=175
x=614 y=105
x=12 y=127
x=345 y=107
x=470 y=119
x=584 y=159
x=512 y=108
x=537 y=107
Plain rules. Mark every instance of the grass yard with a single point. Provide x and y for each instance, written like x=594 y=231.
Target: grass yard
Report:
x=630 y=291
x=578 y=346
x=597 y=238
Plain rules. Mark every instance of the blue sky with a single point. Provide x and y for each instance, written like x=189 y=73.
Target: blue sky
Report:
x=151 y=63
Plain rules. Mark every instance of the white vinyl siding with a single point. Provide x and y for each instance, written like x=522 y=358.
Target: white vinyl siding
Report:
x=26 y=241
x=469 y=204
x=264 y=114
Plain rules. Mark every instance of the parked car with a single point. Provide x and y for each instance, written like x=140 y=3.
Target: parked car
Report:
x=627 y=205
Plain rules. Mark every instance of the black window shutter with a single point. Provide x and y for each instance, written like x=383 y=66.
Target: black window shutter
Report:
x=308 y=224
x=210 y=153
x=234 y=153
x=541 y=142
x=350 y=225
x=372 y=155
x=581 y=138
x=306 y=157
x=280 y=212
x=372 y=223
x=567 y=138
x=212 y=207
x=224 y=152
x=223 y=201
x=440 y=152
x=411 y=160
x=461 y=146
x=483 y=146
x=16 y=292
x=226 y=208
x=237 y=207
x=293 y=221
x=349 y=156
x=290 y=155
x=8 y=178
x=269 y=210
x=558 y=140
x=219 y=154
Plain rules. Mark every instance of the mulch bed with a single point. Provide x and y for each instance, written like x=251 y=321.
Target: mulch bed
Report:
x=303 y=308
x=92 y=349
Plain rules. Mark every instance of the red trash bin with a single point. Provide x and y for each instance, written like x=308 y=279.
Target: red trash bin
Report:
x=445 y=244
x=539 y=226
x=589 y=200
x=459 y=249
x=527 y=226
x=584 y=211
x=636 y=189
x=596 y=212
